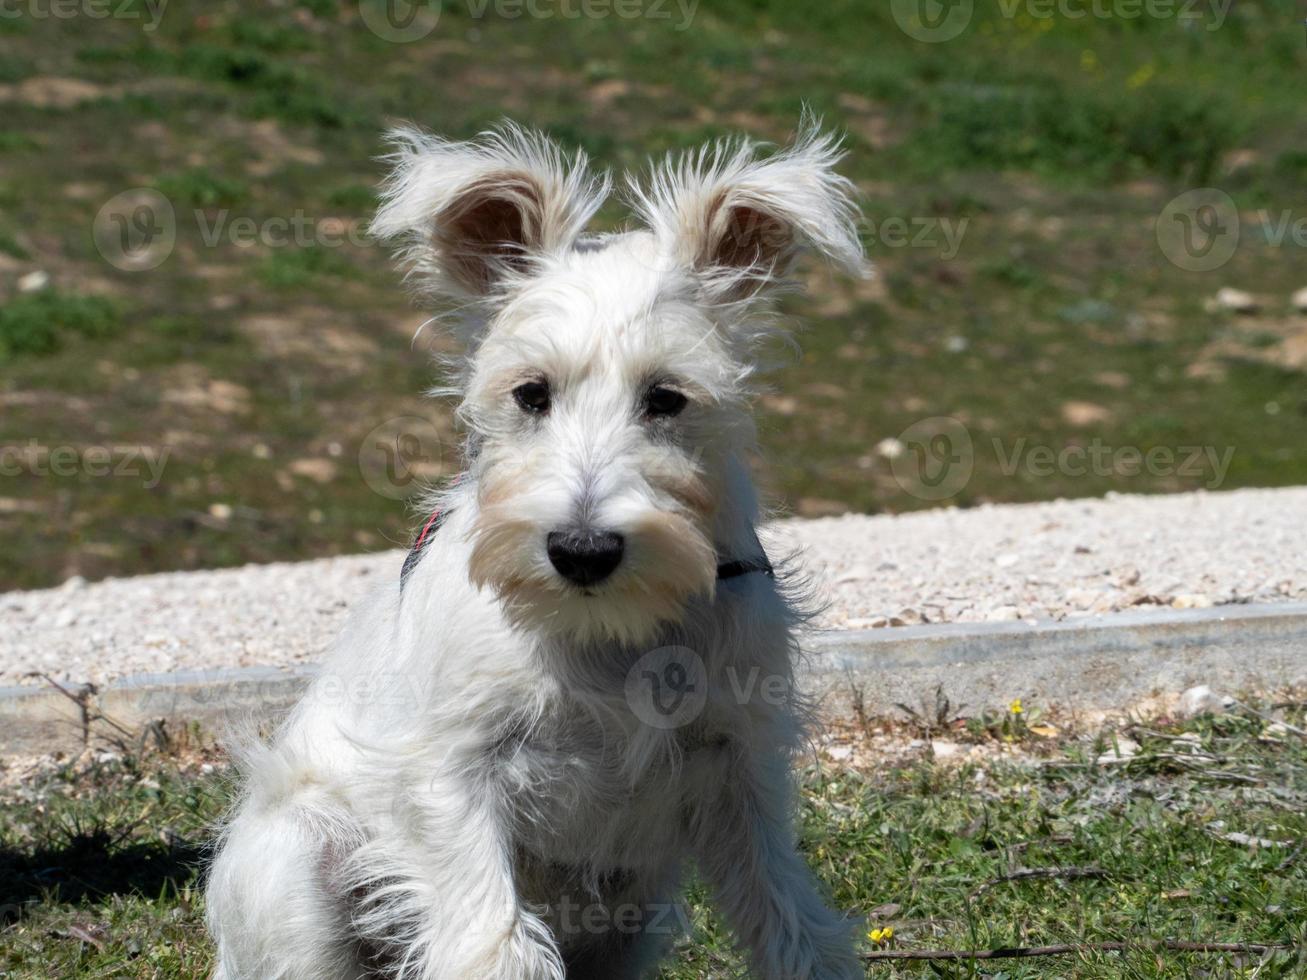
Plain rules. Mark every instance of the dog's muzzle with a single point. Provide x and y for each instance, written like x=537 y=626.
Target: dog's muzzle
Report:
x=725 y=569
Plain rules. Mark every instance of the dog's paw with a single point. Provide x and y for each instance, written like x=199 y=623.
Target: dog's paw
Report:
x=831 y=956
x=822 y=952
x=844 y=965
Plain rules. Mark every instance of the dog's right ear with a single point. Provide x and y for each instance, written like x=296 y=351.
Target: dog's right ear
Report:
x=472 y=217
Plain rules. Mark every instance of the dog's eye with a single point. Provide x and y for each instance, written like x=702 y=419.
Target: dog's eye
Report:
x=533 y=397
x=665 y=402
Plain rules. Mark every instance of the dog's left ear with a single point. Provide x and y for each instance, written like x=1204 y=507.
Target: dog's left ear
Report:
x=474 y=216
x=738 y=221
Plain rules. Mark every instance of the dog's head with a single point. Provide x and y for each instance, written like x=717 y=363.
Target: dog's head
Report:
x=606 y=385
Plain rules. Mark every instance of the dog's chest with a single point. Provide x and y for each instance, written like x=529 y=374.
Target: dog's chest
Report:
x=582 y=794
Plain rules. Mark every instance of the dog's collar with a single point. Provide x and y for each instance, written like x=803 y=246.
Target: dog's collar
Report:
x=725 y=569
x=734 y=569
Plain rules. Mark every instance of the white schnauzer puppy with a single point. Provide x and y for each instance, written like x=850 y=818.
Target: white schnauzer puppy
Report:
x=581 y=682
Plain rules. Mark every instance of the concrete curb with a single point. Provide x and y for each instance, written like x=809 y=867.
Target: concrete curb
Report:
x=1102 y=663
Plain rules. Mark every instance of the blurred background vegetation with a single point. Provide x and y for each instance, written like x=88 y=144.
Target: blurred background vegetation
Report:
x=1050 y=143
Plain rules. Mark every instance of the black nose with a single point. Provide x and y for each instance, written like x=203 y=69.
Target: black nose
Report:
x=584 y=557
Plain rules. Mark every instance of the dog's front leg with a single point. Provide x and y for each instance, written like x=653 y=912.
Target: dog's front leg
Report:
x=439 y=897
x=744 y=844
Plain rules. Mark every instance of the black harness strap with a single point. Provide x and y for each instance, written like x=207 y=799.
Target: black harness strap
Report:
x=734 y=569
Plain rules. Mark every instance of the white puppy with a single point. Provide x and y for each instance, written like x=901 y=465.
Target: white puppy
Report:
x=584 y=680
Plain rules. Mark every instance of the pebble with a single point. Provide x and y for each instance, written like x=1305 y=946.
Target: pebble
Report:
x=1123 y=750
x=1300 y=300
x=1234 y=300
x=890 y=448
x=1082 y=598
x=1191 y=600
x=33 y=282
x=1201 y=700
x=1003 y=614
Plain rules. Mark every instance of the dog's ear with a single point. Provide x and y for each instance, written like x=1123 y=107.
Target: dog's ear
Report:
x=738 y=221
x=473 y=216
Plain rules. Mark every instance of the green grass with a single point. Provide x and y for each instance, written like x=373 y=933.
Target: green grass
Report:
x=1058 y=141
x=201 y=188
x=40 y=322
x=287 y=268
x=99 y=860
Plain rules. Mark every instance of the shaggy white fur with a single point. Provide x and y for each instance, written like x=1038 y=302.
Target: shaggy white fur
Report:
x=504 y=767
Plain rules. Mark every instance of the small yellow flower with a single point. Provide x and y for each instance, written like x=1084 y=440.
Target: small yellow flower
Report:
x=881 y=936
x=1141 y=77
x=1015 y=707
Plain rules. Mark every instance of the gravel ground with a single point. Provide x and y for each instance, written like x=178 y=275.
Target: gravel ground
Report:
x=1012 y=562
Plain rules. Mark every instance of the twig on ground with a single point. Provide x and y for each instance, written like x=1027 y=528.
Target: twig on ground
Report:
x=1025 y=874
x=857 y=696
x=1022 y=952
x=1023 y=845
x=1293 y=856
x=1271 y=718
x=85 y=699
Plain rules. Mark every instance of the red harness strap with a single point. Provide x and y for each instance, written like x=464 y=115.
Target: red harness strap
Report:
x=428 y=530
